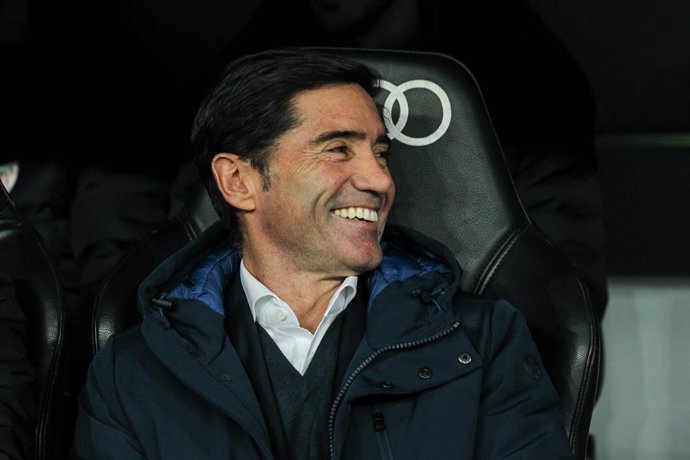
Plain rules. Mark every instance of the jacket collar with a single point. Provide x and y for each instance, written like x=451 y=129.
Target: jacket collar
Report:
x=417 y=268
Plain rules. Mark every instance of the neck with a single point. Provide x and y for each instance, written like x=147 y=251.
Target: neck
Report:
x=307 y=293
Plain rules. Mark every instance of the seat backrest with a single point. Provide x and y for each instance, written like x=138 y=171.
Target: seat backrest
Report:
x=25 y=260
x=115 y=305
x=452 y=184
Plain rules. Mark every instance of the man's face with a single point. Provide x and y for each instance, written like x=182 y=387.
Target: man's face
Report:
x=330 y=189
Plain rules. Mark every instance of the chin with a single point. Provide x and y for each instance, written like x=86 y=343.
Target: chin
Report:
x=363 y=266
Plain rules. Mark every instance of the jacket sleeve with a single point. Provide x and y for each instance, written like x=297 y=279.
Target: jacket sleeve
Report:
x=520 y=415
x=102 y=431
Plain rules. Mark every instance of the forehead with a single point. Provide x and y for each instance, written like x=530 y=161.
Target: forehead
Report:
x=338 y=107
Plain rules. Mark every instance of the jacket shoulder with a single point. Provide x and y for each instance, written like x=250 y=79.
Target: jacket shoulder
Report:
x=487 y=320
x=123 y=351
x=475 y=309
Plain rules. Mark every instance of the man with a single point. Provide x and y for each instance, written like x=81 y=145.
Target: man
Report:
x=311 y=333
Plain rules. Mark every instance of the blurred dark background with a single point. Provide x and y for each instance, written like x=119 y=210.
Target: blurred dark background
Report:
x=636 y=55
x=86 y=82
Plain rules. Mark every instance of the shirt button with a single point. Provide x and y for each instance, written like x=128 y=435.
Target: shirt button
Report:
x=281 y=315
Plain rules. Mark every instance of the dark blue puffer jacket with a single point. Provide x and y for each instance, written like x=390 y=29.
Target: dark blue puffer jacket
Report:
x=449 y=375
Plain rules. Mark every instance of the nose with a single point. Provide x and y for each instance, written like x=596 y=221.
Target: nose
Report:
x=372 y=174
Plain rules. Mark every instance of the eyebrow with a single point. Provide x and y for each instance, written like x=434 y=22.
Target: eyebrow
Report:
x=348 y=134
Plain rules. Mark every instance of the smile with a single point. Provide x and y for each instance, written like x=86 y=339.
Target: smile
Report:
x=369 y=215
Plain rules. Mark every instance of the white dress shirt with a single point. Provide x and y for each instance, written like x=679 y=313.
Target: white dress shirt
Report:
x=277 y=318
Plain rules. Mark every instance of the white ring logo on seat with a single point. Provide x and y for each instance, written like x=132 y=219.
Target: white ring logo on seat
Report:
x=397 y=93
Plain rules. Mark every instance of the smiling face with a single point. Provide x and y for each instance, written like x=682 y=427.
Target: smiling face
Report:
x=330 y=189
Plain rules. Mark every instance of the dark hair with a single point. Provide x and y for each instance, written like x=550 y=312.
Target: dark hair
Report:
x=251 y=106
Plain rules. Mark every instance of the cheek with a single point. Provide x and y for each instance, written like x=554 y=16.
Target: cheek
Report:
x=390 y=196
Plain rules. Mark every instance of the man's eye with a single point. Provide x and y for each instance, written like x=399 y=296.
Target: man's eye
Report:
x=384 y=154
x=339 y=149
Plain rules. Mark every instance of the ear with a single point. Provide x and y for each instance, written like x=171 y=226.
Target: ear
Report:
x=236 y=180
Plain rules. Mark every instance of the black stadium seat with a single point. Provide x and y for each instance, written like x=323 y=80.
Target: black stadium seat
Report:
x=25 y=260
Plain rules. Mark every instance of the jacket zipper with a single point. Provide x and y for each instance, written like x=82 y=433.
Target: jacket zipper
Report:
x=365 y=363
x=379 y=425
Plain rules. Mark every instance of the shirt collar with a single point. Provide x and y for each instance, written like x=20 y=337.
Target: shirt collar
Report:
x=257 y=293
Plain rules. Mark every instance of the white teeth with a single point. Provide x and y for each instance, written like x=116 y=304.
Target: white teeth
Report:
x=357 y=213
